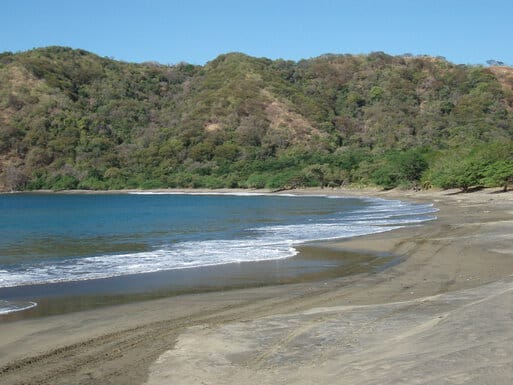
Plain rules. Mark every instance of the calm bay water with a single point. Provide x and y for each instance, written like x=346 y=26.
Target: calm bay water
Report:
x=55 y=238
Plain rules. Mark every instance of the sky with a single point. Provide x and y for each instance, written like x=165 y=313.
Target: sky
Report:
x=197 y=31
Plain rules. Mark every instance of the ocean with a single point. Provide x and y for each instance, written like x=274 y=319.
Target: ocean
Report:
x=57 y=241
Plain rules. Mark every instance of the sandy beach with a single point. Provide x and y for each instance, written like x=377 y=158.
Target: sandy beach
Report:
x=443 y=315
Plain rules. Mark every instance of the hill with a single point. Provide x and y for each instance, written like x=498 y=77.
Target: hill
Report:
x=71 y=119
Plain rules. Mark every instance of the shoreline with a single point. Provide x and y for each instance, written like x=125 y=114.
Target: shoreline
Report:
x=317 y=191
x=314 y=261
x=468 y=248
x=78 y=295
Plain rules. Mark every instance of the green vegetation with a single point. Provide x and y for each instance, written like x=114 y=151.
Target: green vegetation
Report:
x=489 y=164
x=70 y=119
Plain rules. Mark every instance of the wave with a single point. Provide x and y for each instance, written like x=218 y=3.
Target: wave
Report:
x=269 y=242
x=182 y=256
x=7 y=307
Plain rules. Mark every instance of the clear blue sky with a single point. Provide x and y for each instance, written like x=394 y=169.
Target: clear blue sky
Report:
x=196 y=31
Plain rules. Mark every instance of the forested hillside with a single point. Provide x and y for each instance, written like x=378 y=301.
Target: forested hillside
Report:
x=70 y=119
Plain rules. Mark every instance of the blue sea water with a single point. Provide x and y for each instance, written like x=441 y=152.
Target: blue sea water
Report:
x=49 y=238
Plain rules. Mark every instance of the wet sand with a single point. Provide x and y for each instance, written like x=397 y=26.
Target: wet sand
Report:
x=315 y=261
x=442 y=315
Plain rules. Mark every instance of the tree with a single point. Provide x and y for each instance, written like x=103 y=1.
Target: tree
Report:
x=399 y=168
x=499 y=173
x=457 y=172
x=14 y=178
x=317 y=174
x=493 y=62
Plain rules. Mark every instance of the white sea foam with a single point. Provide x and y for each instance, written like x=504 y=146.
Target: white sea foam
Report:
x=262 y=243
x=7 y=307
x=185 y=255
